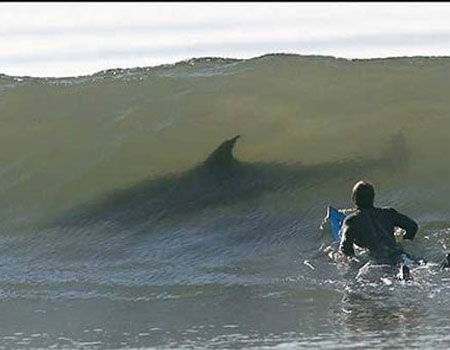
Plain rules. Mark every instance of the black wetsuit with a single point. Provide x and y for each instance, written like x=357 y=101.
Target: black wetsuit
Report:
x=373 y=229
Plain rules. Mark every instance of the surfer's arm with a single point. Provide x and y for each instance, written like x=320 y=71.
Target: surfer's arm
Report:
x=346 y=245
x=406 y=223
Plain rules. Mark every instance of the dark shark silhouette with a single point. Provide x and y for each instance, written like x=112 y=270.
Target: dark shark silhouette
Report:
x=219 y=180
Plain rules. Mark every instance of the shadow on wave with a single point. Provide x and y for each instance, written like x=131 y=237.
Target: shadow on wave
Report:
x=220 y=180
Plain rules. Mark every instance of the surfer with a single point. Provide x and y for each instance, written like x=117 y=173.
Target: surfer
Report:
x=373 y=228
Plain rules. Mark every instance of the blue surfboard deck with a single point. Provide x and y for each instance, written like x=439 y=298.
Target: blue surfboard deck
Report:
x=336 y=220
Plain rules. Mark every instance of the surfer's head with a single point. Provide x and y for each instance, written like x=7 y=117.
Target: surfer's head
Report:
x=363 y=194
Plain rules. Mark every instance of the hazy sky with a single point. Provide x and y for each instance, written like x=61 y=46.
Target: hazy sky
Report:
x=61 y=39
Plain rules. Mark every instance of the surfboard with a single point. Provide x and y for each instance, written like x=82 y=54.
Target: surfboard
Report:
x=336 y=219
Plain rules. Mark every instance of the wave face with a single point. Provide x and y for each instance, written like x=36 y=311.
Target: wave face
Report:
x=124 y=190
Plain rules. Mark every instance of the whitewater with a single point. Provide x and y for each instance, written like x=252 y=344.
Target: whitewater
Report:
x=179 y=206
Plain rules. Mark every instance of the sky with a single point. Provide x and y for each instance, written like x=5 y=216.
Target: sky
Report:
x=70 y=39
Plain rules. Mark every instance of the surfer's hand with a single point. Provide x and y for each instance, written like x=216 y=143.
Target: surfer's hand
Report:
x=354 y=259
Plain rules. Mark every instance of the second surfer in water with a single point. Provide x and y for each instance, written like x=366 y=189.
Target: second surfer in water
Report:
x=373 y=228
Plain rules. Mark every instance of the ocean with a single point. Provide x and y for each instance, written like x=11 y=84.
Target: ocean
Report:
x=131 y=217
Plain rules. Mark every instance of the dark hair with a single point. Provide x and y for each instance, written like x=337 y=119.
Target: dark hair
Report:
x=363 y=194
